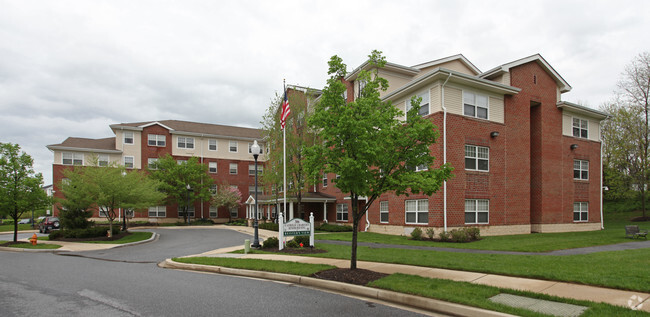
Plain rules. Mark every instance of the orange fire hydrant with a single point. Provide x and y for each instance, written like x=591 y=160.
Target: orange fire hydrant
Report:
x=33 y=239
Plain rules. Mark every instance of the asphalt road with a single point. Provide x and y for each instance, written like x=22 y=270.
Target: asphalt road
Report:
x=127 y=282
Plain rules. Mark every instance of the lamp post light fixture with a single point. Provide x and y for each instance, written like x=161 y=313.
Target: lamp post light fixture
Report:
x=255 y=149
x=187 y=206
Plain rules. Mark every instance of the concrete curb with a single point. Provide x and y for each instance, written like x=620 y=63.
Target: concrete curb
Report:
x=154 y=237
x=418 y=302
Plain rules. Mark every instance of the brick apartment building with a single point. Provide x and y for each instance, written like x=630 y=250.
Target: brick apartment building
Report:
x=525 y=160
x=225 y=149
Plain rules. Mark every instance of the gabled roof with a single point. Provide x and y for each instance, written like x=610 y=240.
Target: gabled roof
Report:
x=564 y=86
x=309 y=197
x=389 y=66
x=460 y=57
x=194 y=128
x=105 y=145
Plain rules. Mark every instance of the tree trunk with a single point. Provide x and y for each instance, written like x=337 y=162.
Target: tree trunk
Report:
x=16 y=228
x=355 y=228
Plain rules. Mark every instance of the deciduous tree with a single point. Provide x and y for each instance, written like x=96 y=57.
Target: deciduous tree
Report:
x=20 y=186
x=227 y=196
x=368 y=146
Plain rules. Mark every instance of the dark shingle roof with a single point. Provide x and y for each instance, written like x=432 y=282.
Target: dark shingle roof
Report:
x=85 y=143
x=202 y=128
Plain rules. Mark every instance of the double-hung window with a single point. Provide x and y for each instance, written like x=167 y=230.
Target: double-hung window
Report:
x=213 y=189
x=580 y=128
x=233 y=168
x=475 y=105
x=213 y=211
x=341 y=212
x=324 y=180
x=212 y=145
x=152 y=163
x=156 y=140
x=383 y=211
x=417 y=211
x=158 y=211
x=70 y=158
x=102 y=160
x=251 y=190
x=128 y=161
x=233 y=146
x=234 y=212
x=580 y=169
x=424 y=104
x=477 y=158
x=185 y=143
x=190 y=211
x=212 y=167
x=128 y=137
x=477 y=211
x=581 y=211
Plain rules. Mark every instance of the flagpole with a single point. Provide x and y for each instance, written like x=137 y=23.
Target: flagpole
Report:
x=284 y=158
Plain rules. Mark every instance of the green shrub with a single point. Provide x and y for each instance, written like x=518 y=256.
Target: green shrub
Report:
x=459 y=235
x=269 y=226
x=302 y=239
x=416 y=234
x=292 y=244
x=271 y=242
x=55 y=234
x=237 y=222
x=444 y=236
x=334 y=228
x=92 y=232
x=202 y=222
x=430 y=233
x=474 y=234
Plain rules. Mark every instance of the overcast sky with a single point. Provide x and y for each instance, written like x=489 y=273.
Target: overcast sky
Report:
x=72 y=68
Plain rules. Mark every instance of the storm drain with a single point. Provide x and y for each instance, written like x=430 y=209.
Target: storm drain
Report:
x=538 y=305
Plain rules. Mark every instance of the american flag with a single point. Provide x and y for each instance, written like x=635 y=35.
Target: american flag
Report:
x=285 y=110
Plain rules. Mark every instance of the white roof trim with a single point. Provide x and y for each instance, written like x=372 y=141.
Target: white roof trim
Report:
x=82 y=149
x=593 y=113
x=564 y=86
x=460 y=57
x=389 y=66
x=154 y=123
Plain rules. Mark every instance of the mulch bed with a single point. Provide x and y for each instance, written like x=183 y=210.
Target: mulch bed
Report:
x=103 y=238
x=356 y=276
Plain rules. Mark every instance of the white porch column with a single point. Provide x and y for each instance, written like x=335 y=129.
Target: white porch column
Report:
x=291 y=210
x=325 y=212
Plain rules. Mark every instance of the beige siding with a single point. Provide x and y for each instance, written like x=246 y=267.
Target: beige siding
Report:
x=401 y=105
x=87 y=156
x=395 y=81
x=131 y=149
x=496 y=109
x=502 y=79
x=567 y=125
x=201 y=149
x=454 y=100
x=454 y=65
x=435 y=99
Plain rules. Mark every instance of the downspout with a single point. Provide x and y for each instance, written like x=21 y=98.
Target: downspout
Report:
x=202 y=215
x=444 y=147
x=602 y=224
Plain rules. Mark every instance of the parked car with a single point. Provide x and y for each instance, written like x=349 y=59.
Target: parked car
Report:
x=48 y=224
x=25 y=221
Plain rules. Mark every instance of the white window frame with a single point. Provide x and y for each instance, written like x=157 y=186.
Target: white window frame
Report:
x=581 y=209
x=231 y=145
x=128 y=136
x=190 y=211
x=184 y=142
x=132 y=161
x=325 y=180
x=231 y=170
x=421 y=209
x=156 y=140
x=251 y=169
x=102 y=211
x=234 y=212
x=150 y=163
x=211 y=143
x=213 y=189
x=426 y=102
x=477 y=157
x=582 y=167
x=579 y=128
x=473 y=103
x=103 y=160
x=342 y=212
x=73 y=157
x=383 y=211
x=212 y=167
x=251 y=190
x=476 y=207
x=213 y=212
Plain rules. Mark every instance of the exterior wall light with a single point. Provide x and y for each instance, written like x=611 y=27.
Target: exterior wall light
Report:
x=494 y=134
x=574 y=146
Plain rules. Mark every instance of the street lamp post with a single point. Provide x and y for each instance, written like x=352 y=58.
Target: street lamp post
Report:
x=256 y=152
x=123 y=210
x=187 y=207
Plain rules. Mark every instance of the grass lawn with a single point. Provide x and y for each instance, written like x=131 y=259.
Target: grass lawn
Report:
x=456 y=292
x=613 y=233
x=10 y=228
x=133 y=237
x=40 y=246
x=302 y=269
